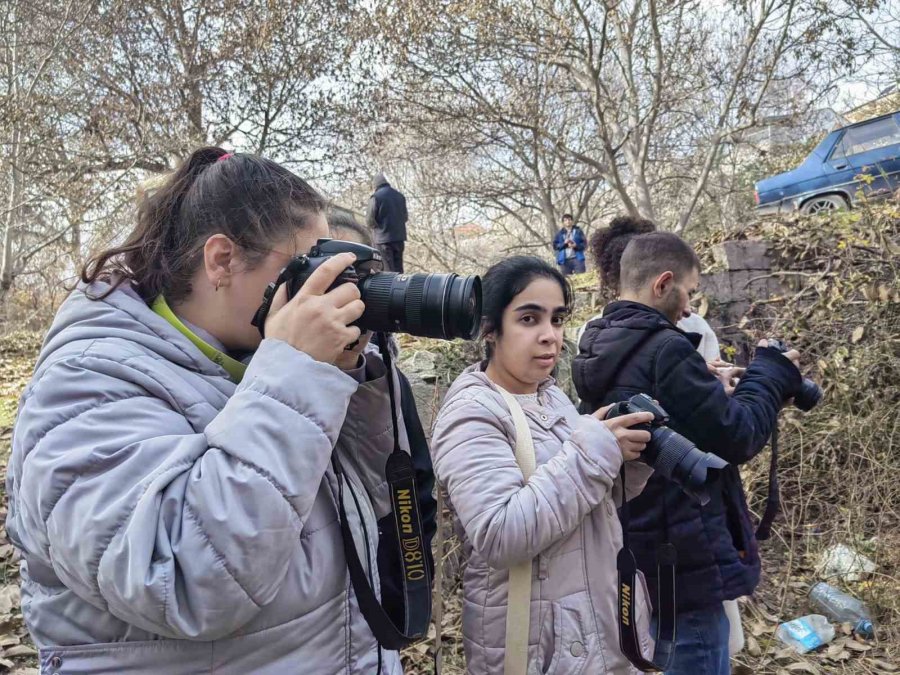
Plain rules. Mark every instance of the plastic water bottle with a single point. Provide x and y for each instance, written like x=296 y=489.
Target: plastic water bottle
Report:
x=806 y=633
x=843 y=608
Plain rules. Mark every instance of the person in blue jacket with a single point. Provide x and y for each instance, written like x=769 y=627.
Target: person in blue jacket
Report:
x=569 y=245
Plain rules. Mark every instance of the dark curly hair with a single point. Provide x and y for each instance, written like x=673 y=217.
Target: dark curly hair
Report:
x=608 y=244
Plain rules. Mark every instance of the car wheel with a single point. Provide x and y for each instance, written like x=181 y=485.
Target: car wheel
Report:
x=823 y=204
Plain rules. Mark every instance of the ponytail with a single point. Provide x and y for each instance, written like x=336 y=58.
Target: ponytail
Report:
x=253 y=201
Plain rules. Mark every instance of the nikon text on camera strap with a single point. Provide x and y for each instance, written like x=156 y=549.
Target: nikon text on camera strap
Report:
x=400 y=476
x=629 y=640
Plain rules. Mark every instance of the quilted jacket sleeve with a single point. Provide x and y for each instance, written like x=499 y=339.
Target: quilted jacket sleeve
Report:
x=506 y=519
x=183 y=533
x=735 y=427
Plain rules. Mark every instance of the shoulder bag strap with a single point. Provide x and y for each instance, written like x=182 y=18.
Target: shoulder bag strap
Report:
x=518 y=611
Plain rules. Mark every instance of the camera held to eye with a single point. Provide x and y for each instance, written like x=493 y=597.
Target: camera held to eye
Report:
x=444 y=306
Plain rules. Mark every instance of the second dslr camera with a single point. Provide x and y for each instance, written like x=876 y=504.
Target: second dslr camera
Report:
x=672 y=455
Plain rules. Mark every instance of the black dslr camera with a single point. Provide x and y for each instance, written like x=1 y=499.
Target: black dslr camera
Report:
x=810 y=393
x=444 y=306
x=672 y=455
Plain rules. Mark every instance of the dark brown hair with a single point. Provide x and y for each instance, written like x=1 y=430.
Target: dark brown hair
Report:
x=649 y=255
x=251 y=200
x=504 y=281
x=608 y=244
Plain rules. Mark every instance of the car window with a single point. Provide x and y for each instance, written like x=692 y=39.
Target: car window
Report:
x=868 y=137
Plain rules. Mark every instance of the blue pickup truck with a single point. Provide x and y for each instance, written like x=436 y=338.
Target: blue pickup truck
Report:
x=829 y=178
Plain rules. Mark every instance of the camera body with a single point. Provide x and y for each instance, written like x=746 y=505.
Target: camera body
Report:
x=444 y=306
x=810 y=393
x=670 y=454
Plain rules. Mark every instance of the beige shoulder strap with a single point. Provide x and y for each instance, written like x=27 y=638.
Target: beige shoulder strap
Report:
x=518 y=611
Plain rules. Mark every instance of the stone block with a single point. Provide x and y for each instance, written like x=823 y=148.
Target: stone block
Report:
x=742 y=255
x=716 y=287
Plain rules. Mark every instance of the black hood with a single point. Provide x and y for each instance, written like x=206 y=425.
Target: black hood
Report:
x=610 y=341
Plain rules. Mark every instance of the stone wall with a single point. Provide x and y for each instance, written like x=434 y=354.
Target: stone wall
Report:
x=746 y=277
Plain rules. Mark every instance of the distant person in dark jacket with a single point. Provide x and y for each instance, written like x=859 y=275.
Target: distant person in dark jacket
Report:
x=569 y=245
x=387 y=218
x=636 y=347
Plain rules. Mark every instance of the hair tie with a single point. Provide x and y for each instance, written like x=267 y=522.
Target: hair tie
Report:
x=222 y=158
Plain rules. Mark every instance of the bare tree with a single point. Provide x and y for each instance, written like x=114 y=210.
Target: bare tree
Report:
x=99 y=94
x=649 y=91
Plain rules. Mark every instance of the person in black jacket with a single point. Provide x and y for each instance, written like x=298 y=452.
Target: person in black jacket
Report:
x=387 y=218
x=635 y=347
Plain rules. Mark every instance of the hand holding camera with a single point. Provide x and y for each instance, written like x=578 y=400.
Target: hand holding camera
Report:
x=810 y=393
x=631 y=441
x=315 y=320
x=672 y=455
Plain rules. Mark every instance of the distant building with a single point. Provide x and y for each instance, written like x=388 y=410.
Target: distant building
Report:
x=469 y=230
x=887 y=101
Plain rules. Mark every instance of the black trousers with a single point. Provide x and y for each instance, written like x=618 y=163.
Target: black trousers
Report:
x=392 y=252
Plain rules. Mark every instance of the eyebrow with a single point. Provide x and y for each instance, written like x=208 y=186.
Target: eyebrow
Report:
x=532 y=307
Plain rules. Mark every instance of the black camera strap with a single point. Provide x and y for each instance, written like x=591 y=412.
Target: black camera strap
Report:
x=400 y=475
x=773 y=500
x=294 y=267
x=629 y=640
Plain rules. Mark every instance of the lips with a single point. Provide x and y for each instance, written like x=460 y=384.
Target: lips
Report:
x=546 y=359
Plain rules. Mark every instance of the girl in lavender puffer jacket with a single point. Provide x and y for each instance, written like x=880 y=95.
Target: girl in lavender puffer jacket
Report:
x=563 y=518
x=176 y=507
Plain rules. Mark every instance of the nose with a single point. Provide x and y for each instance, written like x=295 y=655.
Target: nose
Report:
x=548 y=335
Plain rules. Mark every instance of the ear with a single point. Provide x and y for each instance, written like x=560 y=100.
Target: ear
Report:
x=663 y=283
x=219 y=256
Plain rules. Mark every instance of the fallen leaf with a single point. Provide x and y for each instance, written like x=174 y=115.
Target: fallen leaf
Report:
x=836 y=652
x=20 y=650
x=803 y=667
x=704 y=307
x=857 y=334
x=786 y=653
x=9 y=598
x=752 y=646
x=884 y=665
x=857 y=646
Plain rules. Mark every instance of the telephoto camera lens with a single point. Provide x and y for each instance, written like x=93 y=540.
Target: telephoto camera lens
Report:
x=670 y=454
x=444 y=306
